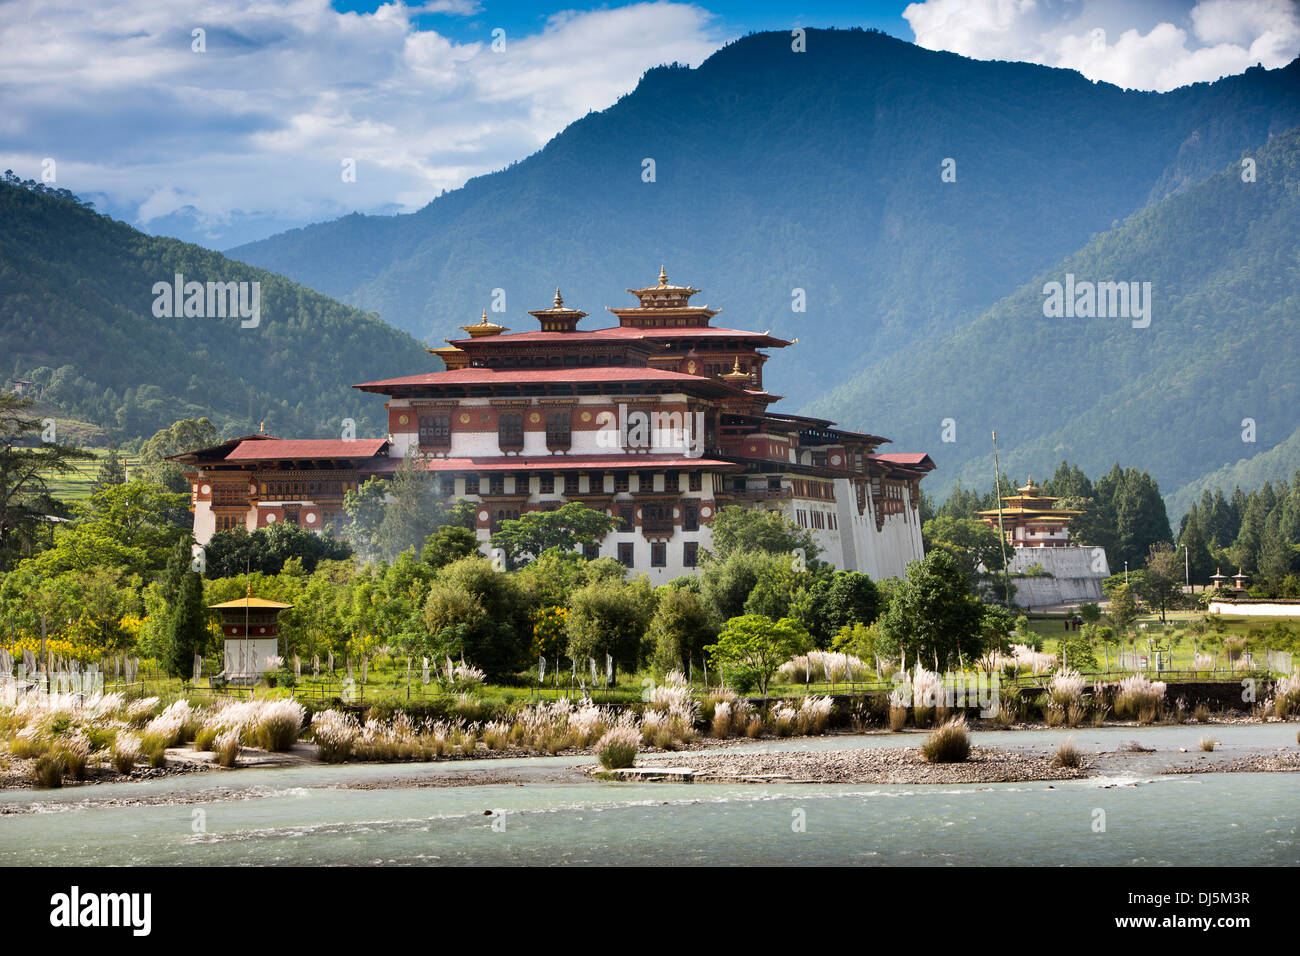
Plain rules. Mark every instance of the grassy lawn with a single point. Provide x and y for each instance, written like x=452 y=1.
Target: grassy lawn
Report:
x=75 y=486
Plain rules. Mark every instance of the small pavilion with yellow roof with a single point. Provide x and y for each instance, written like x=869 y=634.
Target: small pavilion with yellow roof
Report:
x=1032 y=520
x=251 y=628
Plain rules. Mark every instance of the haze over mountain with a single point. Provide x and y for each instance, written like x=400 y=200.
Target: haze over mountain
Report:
x=1214 y=378
x=77 y=316
x=821 y=171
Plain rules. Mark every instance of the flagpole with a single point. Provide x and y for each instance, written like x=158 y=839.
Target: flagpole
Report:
x=1002 y=534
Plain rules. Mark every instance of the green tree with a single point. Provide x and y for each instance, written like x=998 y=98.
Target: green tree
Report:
x=187 y=434
x=610 y=617
x=233 y=552
x=480 y=612
x=449 y=543
x=976 y=546
x=748 y=529
x=759 y=645
x=1123 y=608
x=185 y=628
x=933 y=616
x=27 y=463
x=838 y=600
x=1161 y=581
x=679 y=630
x=111 y=471
x=568 y=527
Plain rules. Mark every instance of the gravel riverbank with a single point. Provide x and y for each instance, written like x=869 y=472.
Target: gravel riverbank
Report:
x=878 y=765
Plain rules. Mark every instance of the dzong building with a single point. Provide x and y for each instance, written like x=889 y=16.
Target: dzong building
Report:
x=659 y=420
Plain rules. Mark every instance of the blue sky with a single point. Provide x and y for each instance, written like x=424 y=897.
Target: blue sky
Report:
x=735 y=18
x=224 y=121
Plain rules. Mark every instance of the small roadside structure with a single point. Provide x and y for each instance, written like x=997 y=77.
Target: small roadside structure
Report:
x=251 y=628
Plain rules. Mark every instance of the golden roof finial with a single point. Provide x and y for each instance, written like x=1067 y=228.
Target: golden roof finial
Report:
x=483 y=321
x=558 y=301
x=736 y=374
x=663 y=276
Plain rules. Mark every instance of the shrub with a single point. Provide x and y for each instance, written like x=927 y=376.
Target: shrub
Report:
x=227 y=747
x=897 y=718
x=75 y=752
x=1207 y=743
x=126 y=751
x=278 y=725
x=783 y=719
x=48 y=769
x=1202 y=714
x=814 y=715
x=138 y=712
x=618 y=747
x=948 y=743
x=722 y=719
x=1140 y=697
x=206 y=738
x=174 y=725
x=1286 y=695
x=1067 y=755
x=1064 y=697
x=335 y=734
x=154 y=749
x=496 y=735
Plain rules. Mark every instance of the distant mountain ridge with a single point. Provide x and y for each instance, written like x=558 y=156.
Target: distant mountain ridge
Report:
x=77 y=317
x=1223 y=258
x=821 y=171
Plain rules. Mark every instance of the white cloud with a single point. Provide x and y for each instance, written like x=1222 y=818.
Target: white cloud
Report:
x=1175 y=44
x=261 y=121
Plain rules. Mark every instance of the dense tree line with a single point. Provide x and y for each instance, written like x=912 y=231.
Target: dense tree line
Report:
x=1258 y=533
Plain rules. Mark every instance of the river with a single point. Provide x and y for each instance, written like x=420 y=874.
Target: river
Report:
x=376 y=814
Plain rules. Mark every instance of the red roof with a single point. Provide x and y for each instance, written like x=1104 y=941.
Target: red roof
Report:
x=524 y=376
x=909 y=459
x=267 y=450
x=569 y=462
x=622 y=332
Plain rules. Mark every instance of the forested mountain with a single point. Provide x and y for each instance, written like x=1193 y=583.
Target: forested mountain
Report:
x=821 y=171
x=1223 y=260
x=77 y=317
x=1249 y=471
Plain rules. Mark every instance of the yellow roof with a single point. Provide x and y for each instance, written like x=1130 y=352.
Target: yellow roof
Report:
x=251 y=603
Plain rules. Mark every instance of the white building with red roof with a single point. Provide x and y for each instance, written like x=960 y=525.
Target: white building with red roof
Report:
x=659 y=421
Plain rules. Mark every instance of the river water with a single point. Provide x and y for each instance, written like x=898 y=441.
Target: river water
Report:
x=369 y=814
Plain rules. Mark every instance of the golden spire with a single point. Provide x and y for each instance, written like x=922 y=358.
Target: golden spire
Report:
x=735 y=375
x=558 y=300
x=663 y=276
x=484 y=327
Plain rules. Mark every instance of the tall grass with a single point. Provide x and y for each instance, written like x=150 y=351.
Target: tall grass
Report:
x=278 y=724
x=1067 y=755
x=824 y=667
x=1286 y=695
x=1137 y=696
x=617 y=748
x=1064 y=701
x=947 y=743
x=335 y=735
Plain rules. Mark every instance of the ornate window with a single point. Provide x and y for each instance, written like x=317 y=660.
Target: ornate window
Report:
x=510 y=430
x=559 y=429
x=435 y=430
